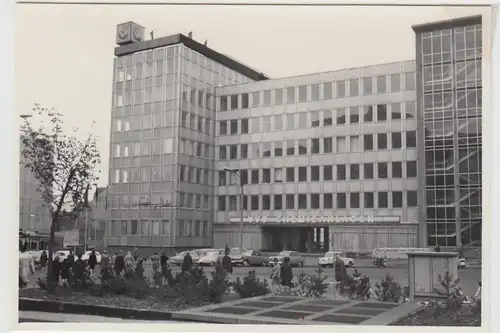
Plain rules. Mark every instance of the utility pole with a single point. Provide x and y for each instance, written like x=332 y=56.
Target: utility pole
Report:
x=238 y=173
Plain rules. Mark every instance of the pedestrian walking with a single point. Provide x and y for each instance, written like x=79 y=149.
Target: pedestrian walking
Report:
x=275 y=273
x=340 y=272
x=136 y=254
x=129 y=264
x=286 y=273
x=56 y=270
x=26 y=267
x=163 y=259
x=92 y=262
x=119 y=263
x=104 y=261
x=44 y=258
x=227 y=264
x=187 y=263
x=155 y=260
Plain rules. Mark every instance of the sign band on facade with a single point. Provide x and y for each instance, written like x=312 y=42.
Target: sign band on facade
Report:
x=316 y=219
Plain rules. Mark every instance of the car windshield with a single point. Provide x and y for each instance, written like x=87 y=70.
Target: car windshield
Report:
x=329 y=254
x=284 y=253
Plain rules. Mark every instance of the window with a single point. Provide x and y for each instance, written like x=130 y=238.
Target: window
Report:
x=222 y=178
x=382 y=141
x=341 y=144
x=327 y=201
x=341 y=201
x=341 y=172
x=278 y=175
x=290 y=122
x=354 y=200
x=411 y=139
x=315 y=92
x=223 y=103
x=278 y=148
x=255 y=150
x=244 y=126
x=302 y=94
x=266 y=176
x=368 y=142
x=409 y=81
x=353 y=115
x=290 y=95
x=290 y=175
x=244 y=101
x=395 y=82
x=255 y=176
x=222 y=203
x=341 y=116
x=266 y=149
x=397 y=170
x=302 y=201
x=303 y=147
x=354 y=171
x=368 y=199
x=368 y=171
x=354 y=144
x=381 y=112
x=327 y=118
x=410 y=109
x=233 y=125
x=266 y=124
x=222 y=153
x=327 y=172
x=368 y=113
x=327 y=145
x=233 y=152
x=397 y=199
x=290 y=201
x=341 y=89
x=243 y=151
x=411 y=169
x=278 y=202
x=353 y=87
x=302 y=120
x=255 y=99
x=367 y=86
x=395 y=111
x=315 y=202
x=278 y=97
x=266 y=202
x=411 y=199
x=234 y=102
x=383 y=201
x=267 y=97
x=315 y=120
x=232 y=203
x=315 y=173
x=255 y=125
x=244 y=176
x=315 y=146
x=327 y=90
x=396 y=140
x=290 y=148
x=254 y=202
x=381 y=85
x=303 y=174
x=278 y=123
x=382 y=170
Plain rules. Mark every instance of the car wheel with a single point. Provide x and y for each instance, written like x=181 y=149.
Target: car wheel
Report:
x=246 y=263
x=300 y=264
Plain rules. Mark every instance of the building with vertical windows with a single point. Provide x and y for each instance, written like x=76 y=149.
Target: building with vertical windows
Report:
x=449 y=99
x=333 y=160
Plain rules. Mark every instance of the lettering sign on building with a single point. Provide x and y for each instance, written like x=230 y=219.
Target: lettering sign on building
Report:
x=317 y=219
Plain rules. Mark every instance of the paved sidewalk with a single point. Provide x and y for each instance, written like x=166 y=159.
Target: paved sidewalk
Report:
x=31 y=316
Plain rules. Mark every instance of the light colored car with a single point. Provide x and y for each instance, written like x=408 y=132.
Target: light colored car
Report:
x=61 y=255
x=329 y=258
x=254 y=258
x=86 y=256
x=210 y=258
x=178 y=258
x=295 y=258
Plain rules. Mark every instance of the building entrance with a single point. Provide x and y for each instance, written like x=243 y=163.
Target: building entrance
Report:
x=301 y=239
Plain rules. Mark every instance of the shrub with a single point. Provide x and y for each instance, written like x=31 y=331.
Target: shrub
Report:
x=189 y=287
x=219 y=286
x=316 y=285
x=451 y=290
x=389 y=290
x=356 y=286
x=251 y=286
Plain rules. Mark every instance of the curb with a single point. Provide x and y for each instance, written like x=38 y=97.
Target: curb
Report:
x=39 y=305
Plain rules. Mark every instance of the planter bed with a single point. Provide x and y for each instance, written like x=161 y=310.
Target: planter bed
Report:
x=426 y=317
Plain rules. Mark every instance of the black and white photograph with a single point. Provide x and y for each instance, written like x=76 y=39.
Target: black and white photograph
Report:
x=256 y=164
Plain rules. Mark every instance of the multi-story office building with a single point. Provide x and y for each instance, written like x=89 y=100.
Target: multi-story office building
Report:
x=449 y=98
x=335 y=156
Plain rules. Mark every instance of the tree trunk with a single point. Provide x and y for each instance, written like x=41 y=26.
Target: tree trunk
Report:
x=50 y=283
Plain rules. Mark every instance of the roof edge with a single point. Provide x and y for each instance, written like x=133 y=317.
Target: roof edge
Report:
x=447 y=24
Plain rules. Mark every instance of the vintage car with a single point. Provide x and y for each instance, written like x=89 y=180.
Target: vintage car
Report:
x=254 y=258
x=329 y=258
x=295 y=258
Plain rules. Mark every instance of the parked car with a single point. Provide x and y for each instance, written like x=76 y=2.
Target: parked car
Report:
x=295 y=258
x=329 y=258
x=210 y=258
x=254 y=258
x=462 y=263
x=61 y=255
x=178 y=258
x=86 y=256
x=236 y=257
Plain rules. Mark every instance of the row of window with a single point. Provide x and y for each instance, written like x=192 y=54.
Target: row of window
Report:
x=314 y=146
x=320 y=91
x=353 y=200
x=185 y=228
x=143 y=148
x=196 y=123
x=318 y=173
x=316 y=118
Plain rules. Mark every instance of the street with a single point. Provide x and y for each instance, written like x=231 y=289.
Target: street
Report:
x=469 y=277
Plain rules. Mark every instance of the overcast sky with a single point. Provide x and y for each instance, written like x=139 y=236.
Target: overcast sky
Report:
x=64 y=54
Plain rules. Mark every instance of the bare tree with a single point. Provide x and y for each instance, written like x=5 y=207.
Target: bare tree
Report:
x=63 y=165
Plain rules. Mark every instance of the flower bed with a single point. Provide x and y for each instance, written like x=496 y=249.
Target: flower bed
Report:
x=432 y=315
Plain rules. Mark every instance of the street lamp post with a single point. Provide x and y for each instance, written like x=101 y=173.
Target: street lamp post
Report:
x=237 y=172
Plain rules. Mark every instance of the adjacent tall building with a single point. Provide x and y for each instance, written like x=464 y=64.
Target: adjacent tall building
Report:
x=358 y=158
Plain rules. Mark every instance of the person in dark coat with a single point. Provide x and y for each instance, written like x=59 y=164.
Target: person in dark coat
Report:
x=187 y=262
x=227 y=265
x=56 y=270
x=163 y=259
x=136 y=254
x=44 y=258
x=340 y=271
x=79 y=271
x=65 y=271
x=119 y=263
x=92 y=262
x=286 y=273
